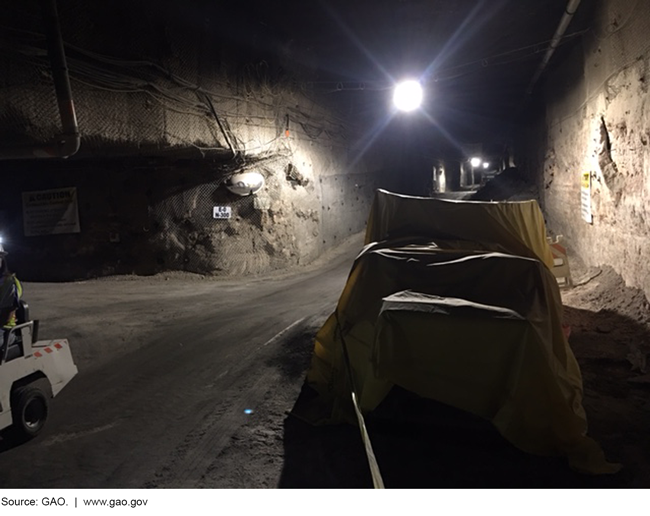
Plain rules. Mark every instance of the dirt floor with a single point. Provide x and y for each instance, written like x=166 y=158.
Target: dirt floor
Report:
x=610 y=336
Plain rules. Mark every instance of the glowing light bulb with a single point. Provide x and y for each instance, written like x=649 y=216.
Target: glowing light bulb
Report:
x=407 y=95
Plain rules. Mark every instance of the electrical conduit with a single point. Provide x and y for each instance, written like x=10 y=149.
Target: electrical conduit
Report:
x=67 y=143
x=569 y=11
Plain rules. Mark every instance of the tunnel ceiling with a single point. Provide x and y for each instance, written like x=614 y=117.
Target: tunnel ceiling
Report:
x=476 y=58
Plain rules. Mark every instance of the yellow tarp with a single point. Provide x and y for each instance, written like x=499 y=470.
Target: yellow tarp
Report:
x=476 y=324
x=511 y=227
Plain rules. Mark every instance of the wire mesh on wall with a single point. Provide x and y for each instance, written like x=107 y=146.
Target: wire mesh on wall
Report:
x=136 y=98
x=616 y=42
x=163 y=92
x=621 y=37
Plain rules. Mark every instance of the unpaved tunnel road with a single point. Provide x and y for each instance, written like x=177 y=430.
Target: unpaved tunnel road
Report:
x=167 y=368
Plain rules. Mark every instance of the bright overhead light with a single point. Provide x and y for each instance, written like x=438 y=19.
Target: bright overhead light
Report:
x=475 y=162
x=407 y=95
x=486 y=164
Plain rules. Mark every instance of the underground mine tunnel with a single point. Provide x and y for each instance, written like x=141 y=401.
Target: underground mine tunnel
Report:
x=152 y=138
x=169 y=102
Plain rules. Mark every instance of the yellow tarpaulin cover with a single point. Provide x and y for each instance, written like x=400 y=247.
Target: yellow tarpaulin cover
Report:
x=511 y=227
x=453 y=301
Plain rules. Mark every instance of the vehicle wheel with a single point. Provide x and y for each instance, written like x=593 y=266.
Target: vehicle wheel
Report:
x=29 y=408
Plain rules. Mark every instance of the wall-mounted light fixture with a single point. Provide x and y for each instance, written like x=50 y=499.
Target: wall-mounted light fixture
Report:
x=245 y=183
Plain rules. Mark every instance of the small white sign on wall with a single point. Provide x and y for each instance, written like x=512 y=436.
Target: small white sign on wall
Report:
x=221 y=212
x=585 y=198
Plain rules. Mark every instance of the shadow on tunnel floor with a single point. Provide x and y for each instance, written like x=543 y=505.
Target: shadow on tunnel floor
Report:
x=420 y=443
x=611 y=349
x=10 y=439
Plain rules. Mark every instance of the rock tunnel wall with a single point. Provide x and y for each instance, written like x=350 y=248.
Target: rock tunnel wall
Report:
x=167 y=112
x=595 y=119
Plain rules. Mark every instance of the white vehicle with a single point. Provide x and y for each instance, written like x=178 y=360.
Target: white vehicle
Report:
x=31 y=373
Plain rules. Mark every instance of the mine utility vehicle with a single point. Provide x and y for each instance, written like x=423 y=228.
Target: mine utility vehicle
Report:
x=31 y=373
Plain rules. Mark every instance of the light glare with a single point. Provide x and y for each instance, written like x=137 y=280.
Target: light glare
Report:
x=475 y=162
x=407 y=95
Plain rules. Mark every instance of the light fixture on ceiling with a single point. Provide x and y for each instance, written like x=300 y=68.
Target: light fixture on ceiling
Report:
x=407 y=95
x=475 y=162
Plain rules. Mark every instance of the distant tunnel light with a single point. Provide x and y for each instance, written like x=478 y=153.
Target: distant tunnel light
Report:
x=486 y=164
x=407 y=95
x=475 y=162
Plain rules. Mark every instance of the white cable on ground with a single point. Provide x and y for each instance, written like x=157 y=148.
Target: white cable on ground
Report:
x=377 y=479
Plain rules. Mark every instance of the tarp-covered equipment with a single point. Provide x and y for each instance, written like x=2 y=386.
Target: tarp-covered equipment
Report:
x=455 y=301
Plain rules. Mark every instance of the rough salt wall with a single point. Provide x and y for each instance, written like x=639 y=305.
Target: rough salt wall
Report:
x=147 y=215
x=154 y=156
x=597 y=119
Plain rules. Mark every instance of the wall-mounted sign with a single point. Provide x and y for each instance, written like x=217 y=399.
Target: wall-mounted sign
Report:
x=221 y=212
x=585 y=198
x=50 y=212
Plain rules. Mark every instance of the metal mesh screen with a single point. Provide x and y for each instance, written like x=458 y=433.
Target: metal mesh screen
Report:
x=617 y=41
x=189 y=238
x=166 y=86
x=621 y=33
